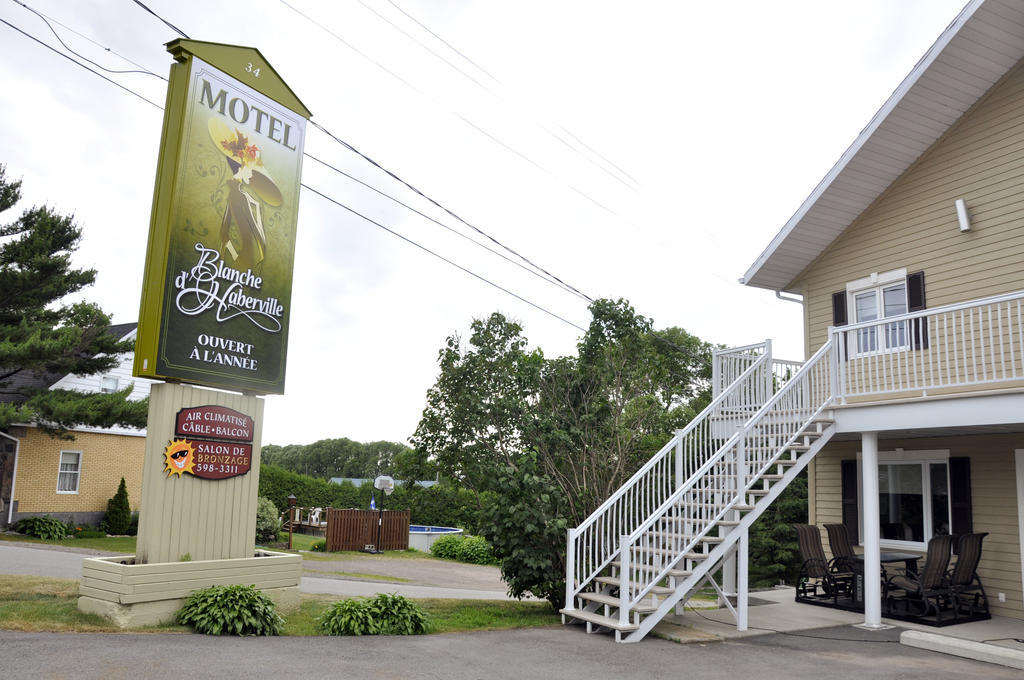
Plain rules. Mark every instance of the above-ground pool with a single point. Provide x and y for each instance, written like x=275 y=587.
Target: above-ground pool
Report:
x=421 y=537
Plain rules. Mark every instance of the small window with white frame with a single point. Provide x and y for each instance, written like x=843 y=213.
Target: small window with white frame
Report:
x=70 y=471
x=875 y=297
x=108 y=384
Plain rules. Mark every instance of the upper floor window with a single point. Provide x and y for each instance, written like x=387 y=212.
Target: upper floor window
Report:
x=108 y=383
x=875 y=297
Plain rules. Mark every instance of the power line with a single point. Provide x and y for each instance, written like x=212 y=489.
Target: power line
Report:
x=536 y=271
x=46 y=21
x=332 y=200
x=78 y=63
x=162 y=20
x=445 y=226
x=447 y=44
x=423 y=94
x=442 y=207
x=441 y=257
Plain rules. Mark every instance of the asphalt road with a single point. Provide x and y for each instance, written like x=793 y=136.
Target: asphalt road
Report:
x=439 y=580
x=534 y=653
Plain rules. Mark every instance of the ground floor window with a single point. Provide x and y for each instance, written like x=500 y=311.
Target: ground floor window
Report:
x=913 y=497
x=70 y=471
x=913 y=501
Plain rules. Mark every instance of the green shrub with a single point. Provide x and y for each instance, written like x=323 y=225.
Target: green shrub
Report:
x=447 y=546
x=119 y=513
x=398 y=615
x=475 y=550
x=47 y=528
x=230 y=610
x=381 y=615
x=268 y=522
x=319 y=546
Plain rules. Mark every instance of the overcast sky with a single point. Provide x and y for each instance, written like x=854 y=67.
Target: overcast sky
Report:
x=644 y=150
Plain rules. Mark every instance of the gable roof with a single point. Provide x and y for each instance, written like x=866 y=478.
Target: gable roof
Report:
x=16 y=388
x=977 y=49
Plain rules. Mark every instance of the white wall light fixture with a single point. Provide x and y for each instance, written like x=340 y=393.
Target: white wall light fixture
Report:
x=961 y=215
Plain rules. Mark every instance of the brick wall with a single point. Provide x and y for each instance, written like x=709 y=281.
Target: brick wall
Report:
x=105 y=459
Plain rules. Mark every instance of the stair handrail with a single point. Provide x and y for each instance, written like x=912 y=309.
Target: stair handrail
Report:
x=627 y=580
x=656 y=465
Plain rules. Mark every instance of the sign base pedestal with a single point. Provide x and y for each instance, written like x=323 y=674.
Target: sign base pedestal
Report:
x=133 y=595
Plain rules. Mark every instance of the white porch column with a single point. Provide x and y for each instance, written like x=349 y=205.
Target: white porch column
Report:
x=872 y=566
x=741 y=595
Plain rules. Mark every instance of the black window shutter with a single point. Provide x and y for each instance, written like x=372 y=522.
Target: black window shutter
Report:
x=848 y=475
x=960 y=496
x=839 y=309
x=916 y=303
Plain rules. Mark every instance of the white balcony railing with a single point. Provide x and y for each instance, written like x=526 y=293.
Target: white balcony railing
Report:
x=972 y=345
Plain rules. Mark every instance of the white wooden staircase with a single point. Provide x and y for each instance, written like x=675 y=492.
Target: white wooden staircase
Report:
x=687 y=512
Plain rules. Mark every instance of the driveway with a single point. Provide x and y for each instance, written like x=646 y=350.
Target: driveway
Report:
x=412 y=577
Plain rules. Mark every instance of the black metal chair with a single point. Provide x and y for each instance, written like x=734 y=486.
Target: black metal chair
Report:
x=816 y=573
x=926 y=593
x=841 y=547
x=969 y=598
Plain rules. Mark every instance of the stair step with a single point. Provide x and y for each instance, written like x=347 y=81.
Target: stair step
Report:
x=612 y=601
x=676 y=573
x=758 y=492
x=737 y=506
x=614 y=581
x=667 y=551
x=599 y=619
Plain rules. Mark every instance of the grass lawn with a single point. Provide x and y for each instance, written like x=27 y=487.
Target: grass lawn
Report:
x=36 y=604
x=116 y=544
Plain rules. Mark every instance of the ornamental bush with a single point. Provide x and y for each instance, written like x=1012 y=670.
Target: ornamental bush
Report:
x=268 y=522
x=231 y=610
x=475 y=550
x=447 y=547
x=119 y=514
x=47 y=528
x=382 y=615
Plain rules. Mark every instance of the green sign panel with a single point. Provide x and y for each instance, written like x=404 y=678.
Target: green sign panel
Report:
x=217 y=293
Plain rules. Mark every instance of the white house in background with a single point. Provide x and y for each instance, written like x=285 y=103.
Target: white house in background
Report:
x=72 y=479
x=908 y=412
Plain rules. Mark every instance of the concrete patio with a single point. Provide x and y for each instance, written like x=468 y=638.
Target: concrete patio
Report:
x=998 y=640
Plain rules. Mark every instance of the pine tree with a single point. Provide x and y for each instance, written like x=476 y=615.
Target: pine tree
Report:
x=119 y=513
x=41 y=333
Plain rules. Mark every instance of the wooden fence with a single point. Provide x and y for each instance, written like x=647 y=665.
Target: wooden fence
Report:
x=355 y=529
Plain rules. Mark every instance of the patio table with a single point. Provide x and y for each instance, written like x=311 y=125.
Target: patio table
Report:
x=909 y=560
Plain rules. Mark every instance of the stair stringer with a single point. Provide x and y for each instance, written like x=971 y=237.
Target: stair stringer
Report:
x=686 y=588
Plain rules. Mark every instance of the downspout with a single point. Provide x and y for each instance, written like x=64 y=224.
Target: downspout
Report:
x=14 y=474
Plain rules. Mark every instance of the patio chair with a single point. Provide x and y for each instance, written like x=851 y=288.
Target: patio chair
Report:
x=841 y=547
x=926 y=593
x=816 y=572
x=969 y=596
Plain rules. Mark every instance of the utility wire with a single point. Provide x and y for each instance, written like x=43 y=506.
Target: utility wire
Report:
x=441 y=257
x=78 y=63
x=333 y=200
x=446 y=43
x=445 y=209
x=370 y=160
x=46 y=21
x=489 y=75
x=542 y=274
x=445 y=226
x=423 y=94
x=162 y=20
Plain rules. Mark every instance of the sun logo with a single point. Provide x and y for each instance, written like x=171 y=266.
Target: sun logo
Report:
x=179 y=458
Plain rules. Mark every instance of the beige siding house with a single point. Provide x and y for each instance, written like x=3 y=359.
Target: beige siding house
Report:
x=72 y=479
x=909 y=260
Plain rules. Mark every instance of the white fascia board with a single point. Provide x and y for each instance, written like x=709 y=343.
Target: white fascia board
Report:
x=966 y=411
x=866 y=134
